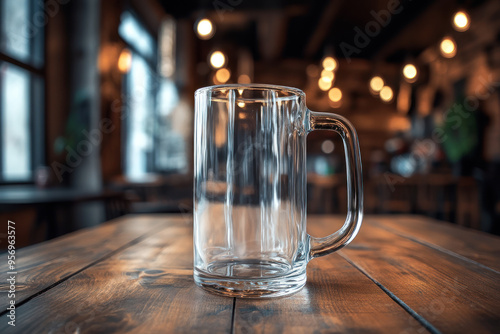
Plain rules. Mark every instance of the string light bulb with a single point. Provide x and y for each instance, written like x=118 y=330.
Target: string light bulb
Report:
x=335 y=94
x=217 y=59
x=327 y=75
x=386 y=94
x=376 y=84
x=205 y=29
x=461 y=21
x=324 y=85
x=329 y=63
x=448 y=47
x=410 y=73
x=222 y=75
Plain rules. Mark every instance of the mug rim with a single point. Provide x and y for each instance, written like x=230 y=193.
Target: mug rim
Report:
x=292 y=90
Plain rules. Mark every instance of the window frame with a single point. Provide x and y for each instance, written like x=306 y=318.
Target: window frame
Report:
x=37 y=100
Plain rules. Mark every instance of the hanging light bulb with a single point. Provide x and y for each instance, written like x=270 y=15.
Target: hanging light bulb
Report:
x=327 y=75
x=461 y=21
x=324 y=85
x=376 y=84
x=217 y=59
x=448 y=47
x=410 y=73
x=222 y=75
x=329 y=63
x=335 y=94
x=386 y=94
x=205 y=29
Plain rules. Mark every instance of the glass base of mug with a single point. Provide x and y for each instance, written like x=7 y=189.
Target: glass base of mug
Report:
x=250 y=286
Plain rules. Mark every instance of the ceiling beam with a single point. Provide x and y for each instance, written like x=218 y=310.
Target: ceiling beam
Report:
x=415 y=29
x=323 y=28
x=271 y=30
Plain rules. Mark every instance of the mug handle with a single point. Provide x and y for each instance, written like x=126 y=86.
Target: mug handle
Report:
x=329 y=244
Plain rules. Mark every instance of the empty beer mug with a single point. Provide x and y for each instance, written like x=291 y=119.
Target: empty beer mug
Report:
x=250 y=185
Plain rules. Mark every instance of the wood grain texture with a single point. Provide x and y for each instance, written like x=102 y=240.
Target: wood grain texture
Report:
x=478 y=246
x=146 y=288
x=337 y=298
x=42 y=265
x=135 y=275
x=451 y=293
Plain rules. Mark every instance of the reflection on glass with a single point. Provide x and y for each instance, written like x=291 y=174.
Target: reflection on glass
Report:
x=15 y=97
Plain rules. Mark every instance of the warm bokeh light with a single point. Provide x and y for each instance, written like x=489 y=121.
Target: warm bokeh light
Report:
x=386 y=94
x=217 y=59
x=125 y=61
x=324 y=85
x=329 y=63
x=327 y=75
x=399 y=123
x=244 y=79
x=222 y=75
x=461 y=21
x=376 y=84
x=335 y=94
x=448 y=47
x=410 y=72
x=205 y=29
x=327 y=146
x=241 y=104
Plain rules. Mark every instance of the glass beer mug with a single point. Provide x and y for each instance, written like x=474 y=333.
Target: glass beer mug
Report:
x=250 y=189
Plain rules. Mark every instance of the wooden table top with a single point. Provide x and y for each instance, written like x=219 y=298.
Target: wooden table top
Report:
x=402 y=274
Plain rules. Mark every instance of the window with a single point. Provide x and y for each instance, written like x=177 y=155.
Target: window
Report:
x=150 y=144
x=140 y=97
x=21 y=89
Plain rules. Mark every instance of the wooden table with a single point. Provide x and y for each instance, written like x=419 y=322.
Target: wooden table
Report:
x=402 y=274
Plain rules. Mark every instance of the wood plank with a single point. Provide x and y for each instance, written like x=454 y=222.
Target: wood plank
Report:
x=475 y=245
x=146 y=288
x=146 y=285
x=42 y=265
x=337 y=298
x=451 y=293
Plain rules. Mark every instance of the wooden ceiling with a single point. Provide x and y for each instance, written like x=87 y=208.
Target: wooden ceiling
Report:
x=299 y=29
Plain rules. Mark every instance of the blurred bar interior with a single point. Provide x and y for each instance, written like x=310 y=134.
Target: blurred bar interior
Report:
x=96 y=102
